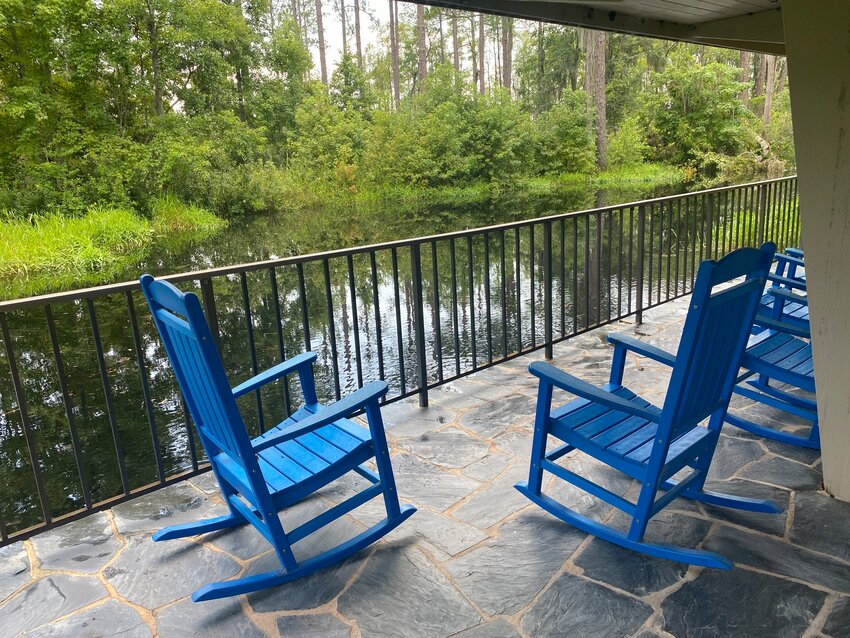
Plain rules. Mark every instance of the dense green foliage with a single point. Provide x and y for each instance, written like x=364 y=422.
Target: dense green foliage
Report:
x=119 y=102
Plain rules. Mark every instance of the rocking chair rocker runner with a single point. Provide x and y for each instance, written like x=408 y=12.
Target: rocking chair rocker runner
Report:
x=260 y=477
x=652 y=444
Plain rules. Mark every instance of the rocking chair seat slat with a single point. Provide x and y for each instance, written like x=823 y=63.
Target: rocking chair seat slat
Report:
x=781 y=356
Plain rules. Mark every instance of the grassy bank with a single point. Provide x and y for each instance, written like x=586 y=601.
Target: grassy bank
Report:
x=51 y=251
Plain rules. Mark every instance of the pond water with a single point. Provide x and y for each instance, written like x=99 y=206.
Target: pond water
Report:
x=481 y=302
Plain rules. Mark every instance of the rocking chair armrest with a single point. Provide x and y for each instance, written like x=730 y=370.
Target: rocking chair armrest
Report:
x=782 y=326
x=275 y=372
x=787 y=281
x=788 y=295
x=790 y=259
x=643 y=349
x=370 y=392
x=576 y=386
x=794 y=252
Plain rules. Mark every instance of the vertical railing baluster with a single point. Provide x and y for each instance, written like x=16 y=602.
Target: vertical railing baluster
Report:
x=281 y=348
x=563 y=231
x=252 y=350
x=419 y=324
x=305 y=314
x=376 y=303
x=399 y=339
x=107 y=395
x=190 y=434
x=547 y=288
x=489 y=318
x=504 y=291
x=620 y=265
x=354 y=321
x=455 y=318
x=678 y=243
x=532 y=296
x=641 y=231
x=29 y=437
x=208 y=298
x=762 y=210
x=669 y=259
x=326 y=267
x=709 y=207
x=79 y=456
x=610 y=216
x=692 y=205
x=518 y=275
x=651 y=253
x=631 y=255
x=472 y=336
x=660 y=252
x=586 y=271
x=143 y=379
x=436 y=312
x=575 y=275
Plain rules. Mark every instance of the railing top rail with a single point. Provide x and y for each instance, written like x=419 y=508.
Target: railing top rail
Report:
x=108 y=289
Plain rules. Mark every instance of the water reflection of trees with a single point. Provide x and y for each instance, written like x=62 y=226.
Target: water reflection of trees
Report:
x=594 y=276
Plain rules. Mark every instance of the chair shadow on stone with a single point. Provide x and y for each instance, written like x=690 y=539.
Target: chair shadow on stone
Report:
x=647 y=443
x=258 y=477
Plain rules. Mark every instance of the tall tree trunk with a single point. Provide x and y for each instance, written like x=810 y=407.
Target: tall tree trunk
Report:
x=394 y=50
x=320 y=30
x=422 y=67
x=507 y=52
x=455 y=42
x=344 y=28
x=759 y=79
x=481 y=88
x=541 y=65
x=744 y=95
x=156 y=69
x=473 y=49
x=595 y=86
x=357 y=38
x=769 y=88
x=782 y=74
x=442 y=36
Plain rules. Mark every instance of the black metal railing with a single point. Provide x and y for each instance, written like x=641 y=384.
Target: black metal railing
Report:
x=90 y=413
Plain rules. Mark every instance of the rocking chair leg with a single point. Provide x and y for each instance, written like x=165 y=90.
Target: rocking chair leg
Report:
x=669 y=552
x=728 y=500
x=199 y=527
x=256 y=582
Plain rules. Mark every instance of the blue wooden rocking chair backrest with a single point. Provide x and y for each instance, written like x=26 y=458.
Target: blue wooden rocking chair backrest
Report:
x=714 y=337
x=190 y=346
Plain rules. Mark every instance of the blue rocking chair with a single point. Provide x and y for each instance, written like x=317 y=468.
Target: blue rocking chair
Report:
x=781 y=300
x=650 y=444
x=260 y=477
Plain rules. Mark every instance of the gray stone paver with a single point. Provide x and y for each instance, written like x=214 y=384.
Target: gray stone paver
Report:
x=85 y=545
x=478 y=559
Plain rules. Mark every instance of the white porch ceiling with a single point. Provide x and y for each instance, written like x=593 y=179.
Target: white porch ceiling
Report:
x=754 y=25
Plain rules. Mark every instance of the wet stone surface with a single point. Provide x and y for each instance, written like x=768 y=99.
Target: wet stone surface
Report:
x=84 y=546
x=111 y=618
x=478 y=560
x=740 y=602
x=154 y=574
x=14 y=569
x=173 y=505
x=47 y=599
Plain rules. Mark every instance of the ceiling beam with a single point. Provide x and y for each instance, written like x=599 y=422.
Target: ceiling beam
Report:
x=761 y=26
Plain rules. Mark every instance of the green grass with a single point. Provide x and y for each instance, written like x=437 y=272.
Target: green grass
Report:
x=51 y=251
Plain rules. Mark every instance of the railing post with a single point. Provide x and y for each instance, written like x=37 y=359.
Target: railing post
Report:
x=547 y=288
x=709 y=249
x=762 y=212
x=419 y=324
x=208 y=298
x=641 y=229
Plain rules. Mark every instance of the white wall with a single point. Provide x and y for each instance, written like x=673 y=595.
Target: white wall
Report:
x=817 y=36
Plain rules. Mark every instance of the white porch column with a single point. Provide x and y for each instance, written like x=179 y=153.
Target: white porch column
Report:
x=817 y=36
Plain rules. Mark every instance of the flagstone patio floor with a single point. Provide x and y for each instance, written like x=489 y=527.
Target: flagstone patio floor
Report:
x=477 y=559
